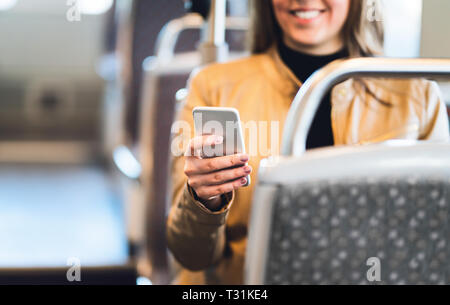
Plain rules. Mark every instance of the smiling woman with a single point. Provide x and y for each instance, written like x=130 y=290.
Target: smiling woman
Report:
x=317 y=26
x=290 y=40
x=313 y=27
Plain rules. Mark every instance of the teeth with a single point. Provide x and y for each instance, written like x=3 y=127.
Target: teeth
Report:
x=307 y=14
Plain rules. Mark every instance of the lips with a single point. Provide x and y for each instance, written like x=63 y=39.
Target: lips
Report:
x=307 y=14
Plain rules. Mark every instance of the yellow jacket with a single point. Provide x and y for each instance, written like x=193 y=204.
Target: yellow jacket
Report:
x=210 y=246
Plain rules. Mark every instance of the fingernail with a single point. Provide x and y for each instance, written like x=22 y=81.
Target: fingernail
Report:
x=247 y=169
x=243 y=181
x=244 y=158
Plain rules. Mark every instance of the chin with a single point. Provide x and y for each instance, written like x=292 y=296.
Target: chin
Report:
x=306 y=40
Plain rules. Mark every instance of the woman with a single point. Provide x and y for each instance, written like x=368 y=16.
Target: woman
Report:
x=207 y=226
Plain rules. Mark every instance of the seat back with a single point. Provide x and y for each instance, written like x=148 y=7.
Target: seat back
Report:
x=147 y=19
x=324 y=216
x=164 y=76
x=354 y=215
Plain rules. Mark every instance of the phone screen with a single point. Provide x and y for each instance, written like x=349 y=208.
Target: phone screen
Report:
x=224 y=122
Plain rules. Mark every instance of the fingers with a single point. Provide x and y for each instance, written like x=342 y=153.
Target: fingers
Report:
x=211 y=177
x=196 y=166
x=219 y=177
x=198 y=144
x=208 y=191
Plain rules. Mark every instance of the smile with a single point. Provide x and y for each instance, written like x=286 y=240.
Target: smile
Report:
x=307 y=14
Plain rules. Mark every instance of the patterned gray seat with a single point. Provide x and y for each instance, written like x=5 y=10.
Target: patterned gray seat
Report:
x=319 y=218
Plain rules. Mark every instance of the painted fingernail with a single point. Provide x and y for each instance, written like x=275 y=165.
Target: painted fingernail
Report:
x=244 y=158
x=247 y=169
x=243 y=181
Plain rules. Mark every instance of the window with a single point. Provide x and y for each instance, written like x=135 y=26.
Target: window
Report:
x=402 y=22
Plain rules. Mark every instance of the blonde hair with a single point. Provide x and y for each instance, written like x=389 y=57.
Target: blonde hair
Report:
x=362 y=34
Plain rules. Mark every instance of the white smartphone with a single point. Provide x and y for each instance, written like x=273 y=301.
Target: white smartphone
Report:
x=221 y=121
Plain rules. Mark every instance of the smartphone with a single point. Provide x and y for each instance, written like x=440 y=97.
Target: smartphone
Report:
x=221 y=121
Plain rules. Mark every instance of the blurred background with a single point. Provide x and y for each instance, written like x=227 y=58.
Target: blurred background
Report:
x=81 y=83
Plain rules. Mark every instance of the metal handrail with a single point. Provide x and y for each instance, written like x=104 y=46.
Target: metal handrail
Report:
x=168 y=37
x=311 y=93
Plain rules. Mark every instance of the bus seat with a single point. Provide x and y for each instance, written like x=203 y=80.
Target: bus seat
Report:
x=321 y=218
x=164 y=75
x=135 y=27
x=360 y=214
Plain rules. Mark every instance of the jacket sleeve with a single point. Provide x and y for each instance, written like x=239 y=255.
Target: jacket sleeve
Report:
x=435 y=120
x=195 y=234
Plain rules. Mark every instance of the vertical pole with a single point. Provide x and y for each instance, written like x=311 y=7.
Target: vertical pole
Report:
x=214 y=48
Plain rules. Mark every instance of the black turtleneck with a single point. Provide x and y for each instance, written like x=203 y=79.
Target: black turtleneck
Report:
x=303 y=65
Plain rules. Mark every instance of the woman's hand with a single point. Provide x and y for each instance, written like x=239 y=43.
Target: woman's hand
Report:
x=213 y=176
